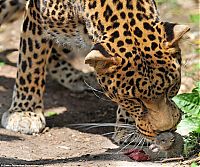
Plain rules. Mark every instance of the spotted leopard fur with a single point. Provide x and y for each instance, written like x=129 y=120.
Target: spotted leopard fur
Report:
x=135 y=55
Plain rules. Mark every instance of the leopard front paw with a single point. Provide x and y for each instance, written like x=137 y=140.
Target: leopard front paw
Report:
x=24 y=122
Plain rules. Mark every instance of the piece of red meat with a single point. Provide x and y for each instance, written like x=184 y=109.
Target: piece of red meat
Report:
x=137 y=154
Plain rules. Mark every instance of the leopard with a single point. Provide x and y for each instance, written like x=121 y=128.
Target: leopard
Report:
x=135 y=55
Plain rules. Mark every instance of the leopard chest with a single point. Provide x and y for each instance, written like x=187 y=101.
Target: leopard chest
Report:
x=75 y=38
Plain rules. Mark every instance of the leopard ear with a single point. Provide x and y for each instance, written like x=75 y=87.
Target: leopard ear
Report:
x=180 y=31
x=174 y=32
x=102 y=62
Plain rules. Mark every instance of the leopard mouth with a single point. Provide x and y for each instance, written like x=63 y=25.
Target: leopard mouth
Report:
x=157 y=118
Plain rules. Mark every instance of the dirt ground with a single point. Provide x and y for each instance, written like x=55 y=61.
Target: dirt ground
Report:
x=62 y=144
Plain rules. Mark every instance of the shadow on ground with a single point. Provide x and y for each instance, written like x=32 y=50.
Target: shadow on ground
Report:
x=106 y=156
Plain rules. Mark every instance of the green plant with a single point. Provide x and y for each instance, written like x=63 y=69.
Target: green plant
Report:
x=2 y=63
x=165 y=1
x=194 y=164
x=191 y=144
x=189 y=103
x=160 y=1
x=197 y=50
x=195 y=18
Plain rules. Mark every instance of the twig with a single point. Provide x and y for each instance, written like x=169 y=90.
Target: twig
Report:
x=197 y=159
x=171 y=159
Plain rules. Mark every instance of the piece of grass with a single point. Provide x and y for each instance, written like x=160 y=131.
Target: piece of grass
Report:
x=50 y=114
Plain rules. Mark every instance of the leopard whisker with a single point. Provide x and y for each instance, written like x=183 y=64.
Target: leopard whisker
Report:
x=109 y=133
x=95 y=90
x=143 y=143
x=137 y=139
x=137 y=144
x=128 y=137
x=96 y=125
x=113 y=132
x=100 y=97
x=92 y=88
x=126 y=145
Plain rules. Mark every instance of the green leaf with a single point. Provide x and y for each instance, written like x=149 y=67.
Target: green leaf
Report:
x=195 y=18
x=189 y=103
x=197 y=88
x=194 y=164
x=2 y=64
x=189 y=124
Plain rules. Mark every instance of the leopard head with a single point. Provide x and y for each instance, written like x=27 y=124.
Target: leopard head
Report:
x=142 y=73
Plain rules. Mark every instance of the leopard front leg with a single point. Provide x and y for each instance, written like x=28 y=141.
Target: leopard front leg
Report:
x=26 y=112
x=125 y=130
